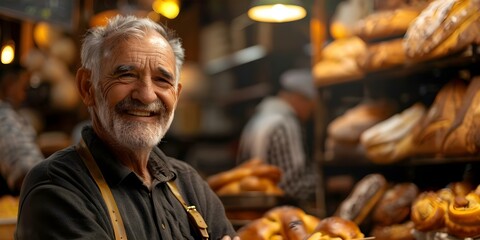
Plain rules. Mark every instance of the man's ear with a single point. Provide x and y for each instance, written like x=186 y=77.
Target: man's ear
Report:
x=84 y=83
x=179 y=89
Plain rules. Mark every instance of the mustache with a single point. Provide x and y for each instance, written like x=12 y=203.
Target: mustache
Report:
x=128 y=103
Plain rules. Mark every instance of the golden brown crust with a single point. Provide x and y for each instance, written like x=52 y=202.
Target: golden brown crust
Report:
x=349 y=126
x=463 y=136
x=402 y=231
x=382 y=55
x=444 y=27
x=261 y=229
x=428 y=211
x=339 y=227
x=391 y=140
x=283 y=222
x=395 y=205
x=387 y=23
x=431 y=131
x=365 y=194
x=463 y=216
x=338 y=61
x=253 y=175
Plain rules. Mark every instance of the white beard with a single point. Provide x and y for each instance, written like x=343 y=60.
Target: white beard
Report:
x=133 y=134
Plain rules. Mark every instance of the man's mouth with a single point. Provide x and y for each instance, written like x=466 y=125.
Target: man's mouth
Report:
x=140 y=113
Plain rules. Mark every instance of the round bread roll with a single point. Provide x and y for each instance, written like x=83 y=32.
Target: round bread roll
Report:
x=261 y=229
x=339 y=227
x=428 y=211
x=394 y=207
x=283 y=222
x=365 y=194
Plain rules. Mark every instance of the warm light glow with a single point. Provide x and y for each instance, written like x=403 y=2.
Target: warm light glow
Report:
x=277 y=13
x=168 y=8
x=8 y=53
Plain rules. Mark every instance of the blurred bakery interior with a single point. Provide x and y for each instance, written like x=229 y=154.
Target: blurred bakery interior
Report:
x=394 y=126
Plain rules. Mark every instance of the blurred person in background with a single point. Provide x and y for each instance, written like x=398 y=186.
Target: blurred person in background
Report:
x=116 y=183
x=19 y=151
x=275 y=133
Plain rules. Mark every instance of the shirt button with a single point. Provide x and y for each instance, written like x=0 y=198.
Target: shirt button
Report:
x=163 y=226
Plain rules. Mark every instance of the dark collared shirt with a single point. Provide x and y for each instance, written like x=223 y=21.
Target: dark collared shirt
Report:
x=60 y=200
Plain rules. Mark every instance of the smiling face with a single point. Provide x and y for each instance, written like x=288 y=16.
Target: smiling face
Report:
x=137 y=93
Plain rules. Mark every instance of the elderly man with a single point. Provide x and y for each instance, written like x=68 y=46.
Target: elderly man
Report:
x=116 y=183
x=275 y=133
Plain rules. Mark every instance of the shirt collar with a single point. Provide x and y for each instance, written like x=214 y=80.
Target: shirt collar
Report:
x=114 y=172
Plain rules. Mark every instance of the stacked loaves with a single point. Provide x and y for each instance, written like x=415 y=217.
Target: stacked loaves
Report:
x=251 y=176
x=395 y=37
x=449 y=127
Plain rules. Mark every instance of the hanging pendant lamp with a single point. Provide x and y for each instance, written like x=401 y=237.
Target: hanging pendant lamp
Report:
x=276 y=10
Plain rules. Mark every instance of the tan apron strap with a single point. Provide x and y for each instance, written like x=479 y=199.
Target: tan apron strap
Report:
x=115 y=218
x=194 y=215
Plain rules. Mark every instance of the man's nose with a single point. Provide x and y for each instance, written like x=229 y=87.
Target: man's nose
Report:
x=145 y=91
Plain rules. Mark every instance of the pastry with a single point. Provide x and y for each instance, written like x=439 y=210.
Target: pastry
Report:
x=463 y=216
x=394 y=207
x=390 y=140
x=360 y=202
x=428 y=212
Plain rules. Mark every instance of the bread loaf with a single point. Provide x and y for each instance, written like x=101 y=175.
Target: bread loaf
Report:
x=349 y=126
x=283 y=222
x=430 y=132
x=338 y=61
x=444 y=27
x=390 y=140
x=463 y=136
x=338 y=227
x=360 y=202
x=394 y=206
x=387 y=23
x=382 y=55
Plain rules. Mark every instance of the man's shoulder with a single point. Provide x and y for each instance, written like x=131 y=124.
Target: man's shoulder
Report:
x=58 y=168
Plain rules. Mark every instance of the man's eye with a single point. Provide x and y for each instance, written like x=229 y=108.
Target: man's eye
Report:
x=127 y=75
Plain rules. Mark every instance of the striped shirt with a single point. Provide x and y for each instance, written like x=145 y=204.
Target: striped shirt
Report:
x=274 y=134
x=18 y=149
